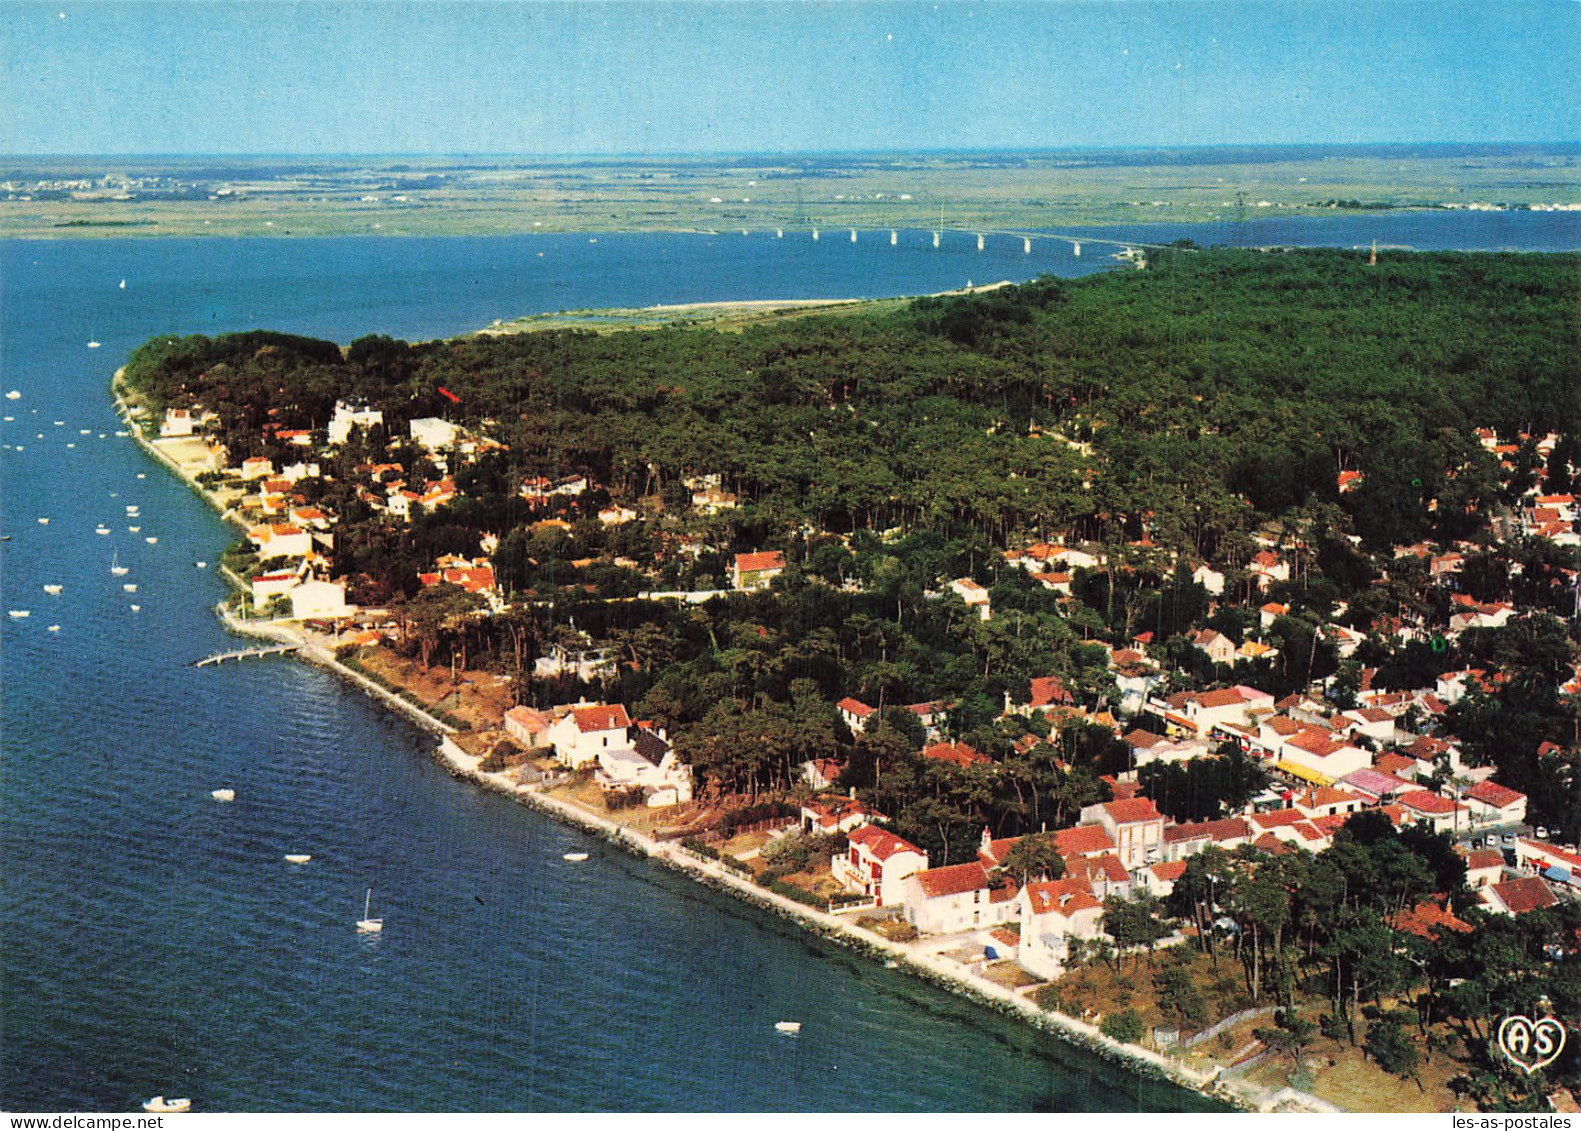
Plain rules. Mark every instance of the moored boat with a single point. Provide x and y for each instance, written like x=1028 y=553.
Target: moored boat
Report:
x=160 y=1104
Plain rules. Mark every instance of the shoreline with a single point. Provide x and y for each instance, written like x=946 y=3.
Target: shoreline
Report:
x=912 y=958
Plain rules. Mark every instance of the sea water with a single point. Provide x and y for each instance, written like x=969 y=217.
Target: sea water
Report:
x=153 y=940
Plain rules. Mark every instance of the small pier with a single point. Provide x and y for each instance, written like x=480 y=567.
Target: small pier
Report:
x=246 y=654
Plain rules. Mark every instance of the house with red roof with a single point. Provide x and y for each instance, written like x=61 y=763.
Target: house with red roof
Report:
x=821 y=773
x=957 y=754
x=1322 y=756
x=1327 y=800
x=1105 y=875
x=528 y=727
x=876 y=863
x=1493 y=804
x=755 y=571
x=854 y=713
x=832 y=813
x=958 y=897
x=1135 y=825
x=1441 y=813
x=1518 y=896
x=1052 y=913
x=1214 y=645
x=973 y=594
x=1484 y=867
x=588 y=730
x=1159 y=879
x=1431 y=920
x=1181 y=841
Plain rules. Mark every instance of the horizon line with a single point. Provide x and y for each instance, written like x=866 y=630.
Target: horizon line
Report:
x=1550 y=145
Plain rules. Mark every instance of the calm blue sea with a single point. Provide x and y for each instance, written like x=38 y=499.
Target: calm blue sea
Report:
x=153 y=940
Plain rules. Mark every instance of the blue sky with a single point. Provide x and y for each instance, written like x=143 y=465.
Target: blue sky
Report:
x=749 y=76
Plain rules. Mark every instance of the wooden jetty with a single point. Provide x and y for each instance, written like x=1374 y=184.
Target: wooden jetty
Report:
x=245 y=654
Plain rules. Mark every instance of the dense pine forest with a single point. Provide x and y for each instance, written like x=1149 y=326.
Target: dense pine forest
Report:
x=1171 y=416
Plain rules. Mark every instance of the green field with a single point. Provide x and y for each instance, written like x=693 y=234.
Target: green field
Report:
x=469 y=196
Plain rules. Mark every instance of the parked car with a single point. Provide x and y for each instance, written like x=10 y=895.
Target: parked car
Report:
x=1542 y=833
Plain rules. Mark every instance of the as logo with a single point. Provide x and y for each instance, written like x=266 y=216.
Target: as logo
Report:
x=1531 y=1044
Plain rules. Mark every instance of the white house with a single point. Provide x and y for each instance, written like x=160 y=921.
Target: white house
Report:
x=854 y=713
x=319 y=600
x=1494 y=804
x=1210 y=579
x=281 y=540
x=528 y=727
x=267 y=586
x=650 y=764
x=973 y=594
x=433 y=433
x=957 y=898
x=588 y=731
x=877 y=864
x=1135 y=825
x=178 y=422
x=1051 y=914
x=346 y=417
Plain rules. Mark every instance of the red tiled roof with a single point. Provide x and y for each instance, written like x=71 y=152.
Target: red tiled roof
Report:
x=1278 y=819
x=1133 y=810
x=1065 y=897
x=1108 y=866
x=1484 y=858
x=952 y=880
x=1315 y=741
x=590 y=719
x=1394 y=763
x=763 y=559
x=1169 y=870
x=1049 y=689
x=1083 y=840
x=881 y=844
x=1226 y=828
x=957 y=753
x=1492 y=793
x=855 y=706
x=1425 y=801
x=1528 y=893
x=1429 y=920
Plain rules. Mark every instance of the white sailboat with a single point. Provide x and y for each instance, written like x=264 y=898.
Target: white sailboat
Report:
x=575 y=857
x=116 y=567
x=221 y=794
x=791 y=1027
x=130 y=587
x=52 y=590
x=298 y=857
x=159 y=1103
x=150 y=540
x=93 y=345
x=366 y=925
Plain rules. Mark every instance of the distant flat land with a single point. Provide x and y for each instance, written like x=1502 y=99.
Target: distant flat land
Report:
x=59 y=197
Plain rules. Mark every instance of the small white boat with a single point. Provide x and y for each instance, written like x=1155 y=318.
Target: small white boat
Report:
x=19 y=614
x=54 y=628
x=60 y=424
x=52 y=590
x=93 y=345
x=134 y=529
x=575 y=857
x=366 y=925
x=131 y=511
x=71 y=445
x=13 y=395
x=85 y=431
x=140 y=475
x=159 y=1103
x=8 y=419
x=298 y=857
x=221 y=794
x=116 y=567
x=123 y=284
x=150 y=539
x=201 y=565
x=101 y=529
x=137 y=608
x=130 y=587
x=124 y=432
x=788 y=1026
x=43 y=522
